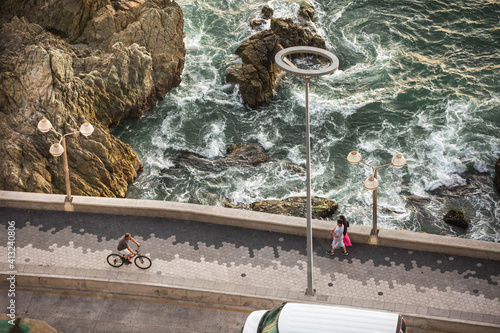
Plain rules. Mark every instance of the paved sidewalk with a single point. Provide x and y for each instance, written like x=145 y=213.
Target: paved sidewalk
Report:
x=251 y=262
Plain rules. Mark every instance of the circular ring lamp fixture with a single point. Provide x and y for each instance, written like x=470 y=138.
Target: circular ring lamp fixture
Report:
x=289 y=67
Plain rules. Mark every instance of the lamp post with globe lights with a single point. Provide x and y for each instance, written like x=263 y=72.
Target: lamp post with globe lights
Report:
x=59 y=148
x=371 y=183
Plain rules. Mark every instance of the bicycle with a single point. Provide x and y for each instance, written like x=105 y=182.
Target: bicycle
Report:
x=117 y=260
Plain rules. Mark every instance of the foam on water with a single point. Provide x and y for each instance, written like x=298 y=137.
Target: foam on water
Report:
x=402 y=87
x=264 y=140
x=214 y=140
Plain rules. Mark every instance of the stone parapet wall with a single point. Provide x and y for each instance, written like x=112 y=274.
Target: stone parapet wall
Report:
x=250 y=219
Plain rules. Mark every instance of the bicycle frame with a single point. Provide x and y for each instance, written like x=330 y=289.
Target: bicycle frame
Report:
x=132 y=255
x=141 y=261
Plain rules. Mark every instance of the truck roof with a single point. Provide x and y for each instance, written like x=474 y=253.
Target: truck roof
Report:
x=299 y=318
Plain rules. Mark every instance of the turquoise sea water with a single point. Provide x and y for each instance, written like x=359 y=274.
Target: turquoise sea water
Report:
x=419 y=78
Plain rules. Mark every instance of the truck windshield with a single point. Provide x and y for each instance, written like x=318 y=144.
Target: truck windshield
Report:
x=401 y=325
x=270 y=322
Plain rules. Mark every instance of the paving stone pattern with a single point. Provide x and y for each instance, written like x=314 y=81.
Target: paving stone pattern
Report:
x=233 y=259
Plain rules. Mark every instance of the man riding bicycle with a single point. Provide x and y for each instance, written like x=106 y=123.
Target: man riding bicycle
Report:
x=123 y=247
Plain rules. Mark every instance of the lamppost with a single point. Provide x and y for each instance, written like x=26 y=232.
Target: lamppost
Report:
x=371 y=183
x=59 y=148
x=286 y=65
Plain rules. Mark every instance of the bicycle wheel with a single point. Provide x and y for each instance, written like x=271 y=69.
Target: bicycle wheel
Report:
x=115 y=260
x=142 y=262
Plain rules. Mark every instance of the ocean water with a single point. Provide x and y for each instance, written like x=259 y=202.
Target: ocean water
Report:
x=420 y=78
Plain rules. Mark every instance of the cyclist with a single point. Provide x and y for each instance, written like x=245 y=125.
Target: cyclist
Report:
x=124 y=249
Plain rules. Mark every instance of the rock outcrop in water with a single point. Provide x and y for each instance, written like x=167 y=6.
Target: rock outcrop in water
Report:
x=292 y=206
x=257 y=75
x=265 y=14
x=456 y=218
x=72 y=61
x=442 y=199
x=239 y=154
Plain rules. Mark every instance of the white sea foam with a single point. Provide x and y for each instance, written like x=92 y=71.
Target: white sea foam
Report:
x=214 y=140
x=194 y=41
x=296 y=156
x=263 y=139
x=284 y=8
x=445 y=147
x=204 y=114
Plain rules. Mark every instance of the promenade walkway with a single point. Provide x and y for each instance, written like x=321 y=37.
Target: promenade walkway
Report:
x=229 y=262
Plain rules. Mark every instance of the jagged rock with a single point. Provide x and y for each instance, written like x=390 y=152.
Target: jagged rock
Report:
x=444 y=197
x=497 y=175
x=293 y=34
x=257 y=23
x=99 y=26
x=249 y=153
x=417 y=202
x=456 y=218
x=229 y=204
x=64 y=18
x=267 y=12
x=292 y=206
x=40 y=82
x=157 y=25
x=116 y=69
x=307 y=12
x=240 y=154
x=257 y=75
x=476 y=184
x=237 y=155
x=294 y=168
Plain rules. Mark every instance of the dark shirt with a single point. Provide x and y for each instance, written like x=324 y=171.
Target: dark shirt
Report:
x=122 y=244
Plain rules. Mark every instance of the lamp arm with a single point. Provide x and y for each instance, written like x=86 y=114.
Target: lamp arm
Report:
x=375 y=169
x=53 y=130
x=75 y=132
x=72 y=133
x=363 y=162
x=383 y=165
x=63 y=136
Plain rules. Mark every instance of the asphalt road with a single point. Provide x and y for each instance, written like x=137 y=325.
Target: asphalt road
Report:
x=74 y=312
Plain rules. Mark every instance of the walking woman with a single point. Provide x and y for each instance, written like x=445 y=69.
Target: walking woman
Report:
x=346 y=240
x=338 y=235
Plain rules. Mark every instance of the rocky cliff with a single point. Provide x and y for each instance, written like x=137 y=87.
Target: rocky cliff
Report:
x=72 y=61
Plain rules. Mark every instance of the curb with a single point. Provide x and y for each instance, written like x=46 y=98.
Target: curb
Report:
x=250 y=219
x=131 y=288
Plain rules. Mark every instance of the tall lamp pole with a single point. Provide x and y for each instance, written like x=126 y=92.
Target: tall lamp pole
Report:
x=59 y=148
x=286 y=65
x=371 y=183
